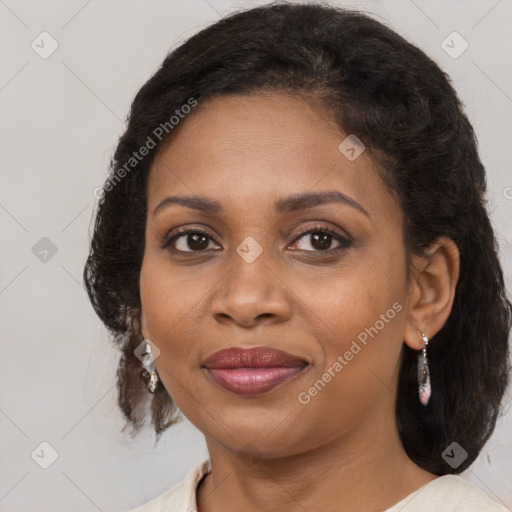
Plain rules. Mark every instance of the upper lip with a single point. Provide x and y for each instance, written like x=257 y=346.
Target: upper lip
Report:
x=256 y=357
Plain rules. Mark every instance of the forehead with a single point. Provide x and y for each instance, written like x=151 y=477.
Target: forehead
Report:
x=248 y=151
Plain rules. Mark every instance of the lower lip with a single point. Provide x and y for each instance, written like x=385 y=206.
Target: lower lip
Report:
x=252 y=381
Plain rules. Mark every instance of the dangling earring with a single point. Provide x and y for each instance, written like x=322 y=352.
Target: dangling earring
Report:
x=424 y=374
x=148 y=361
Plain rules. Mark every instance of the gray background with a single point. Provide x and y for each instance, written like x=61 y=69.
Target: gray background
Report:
x=60 y=119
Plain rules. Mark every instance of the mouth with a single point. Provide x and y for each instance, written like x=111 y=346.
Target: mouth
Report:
x=253 y=371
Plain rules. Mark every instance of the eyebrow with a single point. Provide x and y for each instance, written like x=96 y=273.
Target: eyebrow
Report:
x=290 y=204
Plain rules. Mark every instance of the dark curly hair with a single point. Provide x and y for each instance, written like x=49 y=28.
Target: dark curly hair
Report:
x=376 y=85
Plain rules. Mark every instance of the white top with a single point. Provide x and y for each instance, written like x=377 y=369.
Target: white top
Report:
x=448 y=493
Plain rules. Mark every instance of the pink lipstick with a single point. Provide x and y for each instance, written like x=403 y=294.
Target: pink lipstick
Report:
x=252 y=371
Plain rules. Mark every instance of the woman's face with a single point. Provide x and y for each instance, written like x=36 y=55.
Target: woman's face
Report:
x=255 y=272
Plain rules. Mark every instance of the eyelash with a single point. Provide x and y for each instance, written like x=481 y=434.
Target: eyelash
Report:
x=345 y=242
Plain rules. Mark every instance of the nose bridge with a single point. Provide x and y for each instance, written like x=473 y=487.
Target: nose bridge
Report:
x=251 y=272
x=251 y=288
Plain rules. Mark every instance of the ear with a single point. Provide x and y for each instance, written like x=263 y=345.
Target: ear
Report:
x=143 y=325
x=431 y=291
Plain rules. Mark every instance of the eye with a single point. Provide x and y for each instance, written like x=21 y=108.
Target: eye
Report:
x=321 y=238
x=188 y=240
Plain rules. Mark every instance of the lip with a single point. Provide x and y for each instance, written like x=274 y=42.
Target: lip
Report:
x=252 y=371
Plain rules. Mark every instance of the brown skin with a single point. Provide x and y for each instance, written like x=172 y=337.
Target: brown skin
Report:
x=341 y=451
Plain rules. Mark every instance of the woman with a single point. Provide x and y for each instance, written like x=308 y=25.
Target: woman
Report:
x=293 y=250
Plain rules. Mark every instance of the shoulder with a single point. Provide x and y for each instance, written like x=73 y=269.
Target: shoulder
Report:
x=448 y=493
x=182 y=496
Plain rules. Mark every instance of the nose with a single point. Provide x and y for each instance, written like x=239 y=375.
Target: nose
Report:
x=251 y=293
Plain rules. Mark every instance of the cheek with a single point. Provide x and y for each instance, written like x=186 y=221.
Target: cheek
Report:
x=166 y=305
x=362 y=323
x=170 y=304
x=357 y=319
x=353 y=297
x=359 y=363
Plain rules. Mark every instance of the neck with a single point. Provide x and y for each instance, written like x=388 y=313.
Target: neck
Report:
x=365 y=469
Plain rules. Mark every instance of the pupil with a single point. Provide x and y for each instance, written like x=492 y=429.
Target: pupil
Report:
x=323 y=239
x=196 y=244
